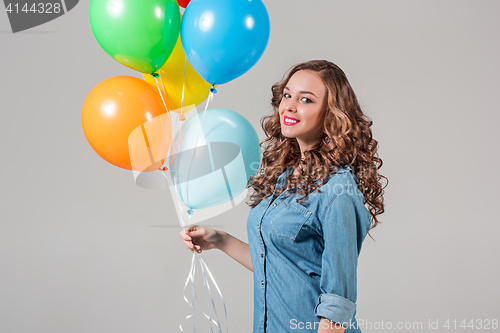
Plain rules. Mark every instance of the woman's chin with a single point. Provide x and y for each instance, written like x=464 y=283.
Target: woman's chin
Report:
x=287 y=133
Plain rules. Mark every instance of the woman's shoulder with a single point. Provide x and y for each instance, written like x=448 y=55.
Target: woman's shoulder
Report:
x=341 y=192
x=340 y=180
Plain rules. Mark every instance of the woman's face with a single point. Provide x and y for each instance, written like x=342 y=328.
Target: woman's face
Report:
x=302 y=108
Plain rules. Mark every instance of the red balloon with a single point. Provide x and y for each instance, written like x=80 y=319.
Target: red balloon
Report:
x=183 y=3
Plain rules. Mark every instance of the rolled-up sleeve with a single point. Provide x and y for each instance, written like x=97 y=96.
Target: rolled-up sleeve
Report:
x=338 y=283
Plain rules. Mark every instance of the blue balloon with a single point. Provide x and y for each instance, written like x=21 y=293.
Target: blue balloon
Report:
x=223 y=39
x=217 y=156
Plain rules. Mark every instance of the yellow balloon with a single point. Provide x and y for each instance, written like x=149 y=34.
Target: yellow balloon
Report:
x=172 y=75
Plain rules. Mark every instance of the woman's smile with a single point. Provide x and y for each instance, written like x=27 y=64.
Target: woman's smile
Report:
x=289 y=121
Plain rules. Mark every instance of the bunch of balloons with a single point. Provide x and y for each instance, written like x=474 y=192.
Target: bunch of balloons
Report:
x=128 y=120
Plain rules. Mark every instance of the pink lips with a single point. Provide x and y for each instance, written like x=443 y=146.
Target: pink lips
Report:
x=287 y=121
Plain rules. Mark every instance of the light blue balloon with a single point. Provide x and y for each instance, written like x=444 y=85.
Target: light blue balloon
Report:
x=217 y=156
x=223 y=39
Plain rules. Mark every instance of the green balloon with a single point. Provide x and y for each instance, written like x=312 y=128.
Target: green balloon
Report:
x=138 y=34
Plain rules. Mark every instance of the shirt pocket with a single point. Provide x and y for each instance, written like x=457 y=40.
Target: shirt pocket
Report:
x=289 y=220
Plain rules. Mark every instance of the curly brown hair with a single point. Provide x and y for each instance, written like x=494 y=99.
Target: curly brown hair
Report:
x=346 y=141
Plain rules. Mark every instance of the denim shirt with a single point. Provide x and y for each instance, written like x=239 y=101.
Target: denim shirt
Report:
x=305 y=256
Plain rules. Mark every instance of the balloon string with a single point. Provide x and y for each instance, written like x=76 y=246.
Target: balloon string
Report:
x=179 y=203
x=162 y=86
x=175 y=162
x=192 y=270
x=209 y=99
x=175 y=175
x=177 y=142
x=208 y=293
x=173 y=147
x=155 y=76
x=190 y=277
x=174 y=183
x=181 y=215
x=183 y=84
x=203 y=265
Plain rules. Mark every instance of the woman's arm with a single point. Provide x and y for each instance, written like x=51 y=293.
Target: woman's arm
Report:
x=343 y=236
x=236 y=249
x=327 y=326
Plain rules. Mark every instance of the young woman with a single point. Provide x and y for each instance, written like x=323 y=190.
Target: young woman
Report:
x=316 y=196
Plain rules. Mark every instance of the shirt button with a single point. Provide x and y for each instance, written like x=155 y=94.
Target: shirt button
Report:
x=262 y=282
x=274 y=204
x=262 y=255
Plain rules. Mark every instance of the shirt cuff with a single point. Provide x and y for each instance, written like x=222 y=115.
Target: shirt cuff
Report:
x=335 y=308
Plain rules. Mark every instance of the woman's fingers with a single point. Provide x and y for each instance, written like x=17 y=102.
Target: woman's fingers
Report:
x=191 y=232
x=185 y=236
x=191 y=228
x=193 y=247
x=197 y=233
x=189 y=244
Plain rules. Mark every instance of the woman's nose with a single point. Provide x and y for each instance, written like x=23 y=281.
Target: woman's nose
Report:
x=290 y=106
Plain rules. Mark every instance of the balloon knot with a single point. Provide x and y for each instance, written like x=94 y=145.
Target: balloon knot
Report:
x=155 y=74
x=190 y=212
x=213 y=90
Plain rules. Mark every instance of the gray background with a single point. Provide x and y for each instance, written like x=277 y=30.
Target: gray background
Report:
x=83 y=249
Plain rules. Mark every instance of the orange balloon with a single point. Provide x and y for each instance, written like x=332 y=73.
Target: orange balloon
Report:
x=126 y=123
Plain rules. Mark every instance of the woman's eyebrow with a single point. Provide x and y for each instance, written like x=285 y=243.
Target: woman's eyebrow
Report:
x=304 y=92
x=308 y=92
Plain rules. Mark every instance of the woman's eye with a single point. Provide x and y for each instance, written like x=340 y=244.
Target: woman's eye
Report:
x=286 y=95
x=306 y=100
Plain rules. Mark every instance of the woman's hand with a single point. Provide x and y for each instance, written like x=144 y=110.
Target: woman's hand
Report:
x=197 y=238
